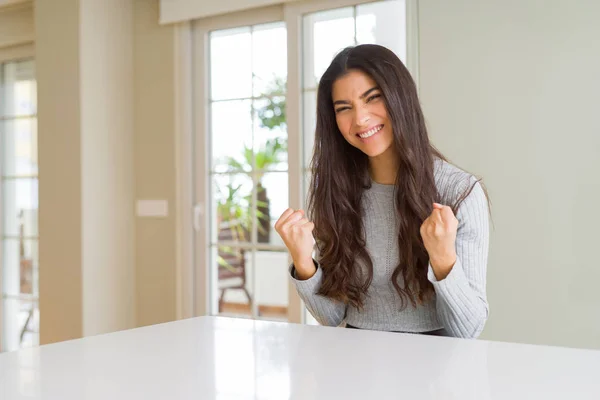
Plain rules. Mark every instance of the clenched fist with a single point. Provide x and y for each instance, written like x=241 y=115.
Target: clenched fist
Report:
x=296 y=231
x=439 y=236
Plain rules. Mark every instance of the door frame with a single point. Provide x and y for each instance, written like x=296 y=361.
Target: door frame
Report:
x=201 y=129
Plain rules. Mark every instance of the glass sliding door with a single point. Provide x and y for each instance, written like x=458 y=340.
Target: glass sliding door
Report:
x=247 y=175
x=19 y=206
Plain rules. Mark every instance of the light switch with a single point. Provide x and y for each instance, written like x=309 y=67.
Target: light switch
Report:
x=152 y=208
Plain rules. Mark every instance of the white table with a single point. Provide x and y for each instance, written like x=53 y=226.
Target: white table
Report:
x=221 y=358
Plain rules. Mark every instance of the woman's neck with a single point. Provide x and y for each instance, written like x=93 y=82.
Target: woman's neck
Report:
x=383 y=168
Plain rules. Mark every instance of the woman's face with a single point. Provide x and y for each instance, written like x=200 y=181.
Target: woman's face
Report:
x=361 y=114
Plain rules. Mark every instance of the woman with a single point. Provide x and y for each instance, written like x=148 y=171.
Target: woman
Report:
x=402 y=234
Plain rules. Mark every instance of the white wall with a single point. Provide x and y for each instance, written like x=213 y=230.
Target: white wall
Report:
x=106 y=48
x=57 y=70
x=185 y=10
x=511 y=91
x=106 y=135
x=155 y=164
x=84 y=65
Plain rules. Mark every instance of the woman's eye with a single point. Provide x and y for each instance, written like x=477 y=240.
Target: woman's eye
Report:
x=341 y=109
x=373 y=97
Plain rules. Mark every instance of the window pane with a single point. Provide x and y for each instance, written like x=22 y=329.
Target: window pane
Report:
x=232 y=199
x=231 y=135
x=383 y=23
x=324 y=35
x=309 y=115
x=272 y=277
x=248 y=138
x=11 y=275
x=28 y=266
x=19 y=96
x=20 y=207
x=306 y=176
x=269 y=58
x=272 y=199
x=19 y=264
x=270 y=134
x=231 y=63
x=20 y=321
x=232 y=269
x=238 y=269
x=18 y=147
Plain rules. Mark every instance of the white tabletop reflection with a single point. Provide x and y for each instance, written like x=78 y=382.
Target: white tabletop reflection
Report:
x=222 y=358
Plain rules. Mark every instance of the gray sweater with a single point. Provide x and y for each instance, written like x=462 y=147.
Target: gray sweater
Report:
x=459 y=306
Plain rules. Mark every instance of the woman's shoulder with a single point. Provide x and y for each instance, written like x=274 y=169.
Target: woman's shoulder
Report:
x=452 y=181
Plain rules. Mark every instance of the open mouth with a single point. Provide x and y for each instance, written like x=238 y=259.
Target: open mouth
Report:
x=370 y=132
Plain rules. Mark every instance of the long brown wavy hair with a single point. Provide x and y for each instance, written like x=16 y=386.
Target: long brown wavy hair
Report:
x=340 y=175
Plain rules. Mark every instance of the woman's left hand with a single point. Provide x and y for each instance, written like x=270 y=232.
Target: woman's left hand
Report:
x=439 y=236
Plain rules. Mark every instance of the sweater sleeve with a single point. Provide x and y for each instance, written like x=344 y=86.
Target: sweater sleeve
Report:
x=461 y=300
x=326 y=311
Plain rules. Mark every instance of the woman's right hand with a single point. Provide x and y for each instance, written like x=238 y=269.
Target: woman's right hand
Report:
x=296 y=231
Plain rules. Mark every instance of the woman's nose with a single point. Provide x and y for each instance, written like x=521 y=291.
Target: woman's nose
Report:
x=362 y=118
